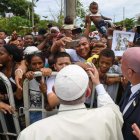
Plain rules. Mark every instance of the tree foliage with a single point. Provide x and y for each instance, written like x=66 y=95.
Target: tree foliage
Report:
x=42 y=24
x=20 y=22
x=138 y=21
x=17 y=7
x=15 y=23
x=129 y=23
x=80 y=11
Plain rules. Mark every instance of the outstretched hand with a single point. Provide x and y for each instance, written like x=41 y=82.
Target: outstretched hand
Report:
x=29 y=75
x=63 y=41
x=5 y=108
x=46 y=71
x=94 y=75
x=18 y=78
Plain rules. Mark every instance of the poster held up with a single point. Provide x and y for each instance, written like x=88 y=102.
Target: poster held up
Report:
x=121 y=41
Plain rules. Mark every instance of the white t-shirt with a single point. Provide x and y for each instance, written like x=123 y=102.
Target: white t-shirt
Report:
x=50 y=84
x=74 y=56
x=98 y=14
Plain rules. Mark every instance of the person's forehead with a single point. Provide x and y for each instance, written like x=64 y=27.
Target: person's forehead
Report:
x=28 y=36
x=53 y=30
x=63 y=59
x=104 y=58
x=94 y=6
x=131 y=58
x=34 y=58
x=83 y=39
x=2 y=32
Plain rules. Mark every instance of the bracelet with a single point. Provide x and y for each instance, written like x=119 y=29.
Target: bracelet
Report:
x=20 y=70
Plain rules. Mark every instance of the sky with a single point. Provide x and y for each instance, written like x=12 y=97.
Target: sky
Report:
x=108 y=8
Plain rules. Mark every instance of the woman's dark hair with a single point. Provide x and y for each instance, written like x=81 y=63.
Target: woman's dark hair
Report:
x=15 y=52
x=28 y=58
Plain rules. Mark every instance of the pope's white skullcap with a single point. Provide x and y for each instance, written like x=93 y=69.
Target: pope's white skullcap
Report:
x=71 y=83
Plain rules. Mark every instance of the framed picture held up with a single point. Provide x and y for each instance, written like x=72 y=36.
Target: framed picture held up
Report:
x=121 y=41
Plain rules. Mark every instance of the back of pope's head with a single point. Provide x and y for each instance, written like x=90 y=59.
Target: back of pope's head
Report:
x=71 y=83
x=132 y=57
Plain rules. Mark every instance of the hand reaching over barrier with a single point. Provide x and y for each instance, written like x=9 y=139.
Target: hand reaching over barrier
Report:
x=5 y=108
x=94 y=75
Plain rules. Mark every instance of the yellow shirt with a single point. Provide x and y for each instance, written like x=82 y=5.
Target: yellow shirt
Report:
x=95 y=56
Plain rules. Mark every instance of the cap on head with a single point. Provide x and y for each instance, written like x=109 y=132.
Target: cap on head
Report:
x=68 y=27
x=30 y=50
x=55 y=28
x=71 y=83
x=132 y=57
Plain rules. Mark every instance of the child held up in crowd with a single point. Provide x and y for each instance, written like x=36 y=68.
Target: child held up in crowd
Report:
x=98 y=19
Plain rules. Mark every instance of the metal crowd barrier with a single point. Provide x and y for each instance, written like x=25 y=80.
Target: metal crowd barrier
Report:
x=26 y=99
x=12 y=103
x=113 y=94
x=27 y=109
x=114 y=90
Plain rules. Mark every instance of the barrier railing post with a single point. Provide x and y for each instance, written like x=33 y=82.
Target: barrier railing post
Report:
x=12 y=103
x=26 y=99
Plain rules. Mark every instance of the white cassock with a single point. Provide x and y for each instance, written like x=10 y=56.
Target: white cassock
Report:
x=75 y=122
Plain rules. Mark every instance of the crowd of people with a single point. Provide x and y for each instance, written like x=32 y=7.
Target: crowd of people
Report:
x=96 y=93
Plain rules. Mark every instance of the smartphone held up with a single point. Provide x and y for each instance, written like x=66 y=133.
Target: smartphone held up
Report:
x=72 y=45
